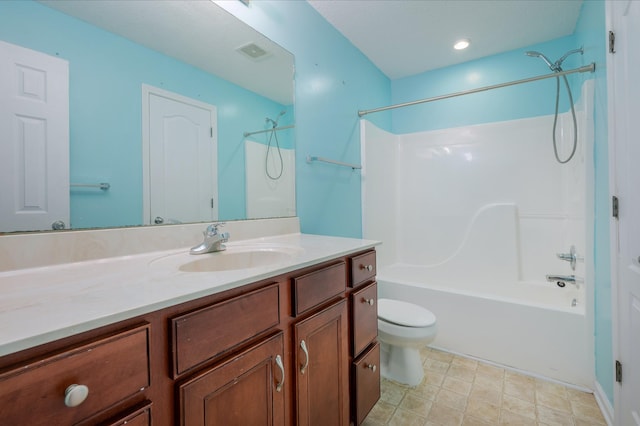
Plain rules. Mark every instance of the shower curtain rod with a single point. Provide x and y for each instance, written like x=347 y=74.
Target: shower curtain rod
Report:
x=587 y=68
x=269 y=130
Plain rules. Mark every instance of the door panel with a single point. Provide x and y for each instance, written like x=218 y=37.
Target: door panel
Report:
x=34 y=142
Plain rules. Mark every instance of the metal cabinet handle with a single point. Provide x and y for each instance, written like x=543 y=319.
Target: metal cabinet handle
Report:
x=372 y=367
x=303 y=345
x=75 y=395
x=367 y=267
x=369 y=302
x=281 y=367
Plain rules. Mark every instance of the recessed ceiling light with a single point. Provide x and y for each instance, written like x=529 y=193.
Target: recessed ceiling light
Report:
x=462 y=44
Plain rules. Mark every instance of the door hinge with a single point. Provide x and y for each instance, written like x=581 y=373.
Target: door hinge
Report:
x=212 y=203
x=615 y=208
x=612 y=42
x=211 y=131
x=618 y=371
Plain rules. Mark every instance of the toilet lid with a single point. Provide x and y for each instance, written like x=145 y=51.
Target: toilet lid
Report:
x=404 y=313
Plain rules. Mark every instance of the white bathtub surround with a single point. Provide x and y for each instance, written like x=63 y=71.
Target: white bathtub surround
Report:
x=29 y=250
x=471 y=219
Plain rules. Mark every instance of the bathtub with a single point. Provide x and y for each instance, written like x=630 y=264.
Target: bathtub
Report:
x=536 y=327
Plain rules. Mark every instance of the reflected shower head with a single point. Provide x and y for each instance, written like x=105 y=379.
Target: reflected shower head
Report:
x=275 y=122
x=535 y=54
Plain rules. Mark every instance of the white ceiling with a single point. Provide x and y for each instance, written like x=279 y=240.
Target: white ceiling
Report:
x=407 y=37
x=199 y=33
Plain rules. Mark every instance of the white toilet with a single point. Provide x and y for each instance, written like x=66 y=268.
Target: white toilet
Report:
x=403 y=328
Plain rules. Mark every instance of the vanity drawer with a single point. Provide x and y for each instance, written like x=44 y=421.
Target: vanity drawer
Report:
x=365 y=317
x=203 y=334
x=314 y=288
x=363 y=268
x=366 y=376
x=113 y=368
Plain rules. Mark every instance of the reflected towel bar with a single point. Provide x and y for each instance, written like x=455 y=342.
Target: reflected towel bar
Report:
x=102 y=185
x=326 y=160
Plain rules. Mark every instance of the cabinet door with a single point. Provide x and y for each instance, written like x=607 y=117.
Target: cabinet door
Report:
x=245 y=390
x=321 y=357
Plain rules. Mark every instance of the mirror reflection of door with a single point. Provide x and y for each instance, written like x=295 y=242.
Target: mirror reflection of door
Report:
x=34 y=140
x=180 y=158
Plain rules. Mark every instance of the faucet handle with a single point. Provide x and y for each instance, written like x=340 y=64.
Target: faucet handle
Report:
x=213 y=228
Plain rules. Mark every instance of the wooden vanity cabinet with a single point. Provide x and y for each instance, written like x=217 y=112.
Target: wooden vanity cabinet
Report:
x=296 y=349
x=364 y=350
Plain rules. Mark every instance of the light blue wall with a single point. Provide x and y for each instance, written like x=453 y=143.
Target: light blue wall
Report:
x=333 y=81
x=106 y=74
x=509 y=103
x=591 y=32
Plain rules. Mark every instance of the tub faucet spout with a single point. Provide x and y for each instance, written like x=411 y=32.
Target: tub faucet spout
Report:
x=571 y=279
x=213 y=240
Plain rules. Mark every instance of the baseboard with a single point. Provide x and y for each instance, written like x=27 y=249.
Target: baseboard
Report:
x=603 y=402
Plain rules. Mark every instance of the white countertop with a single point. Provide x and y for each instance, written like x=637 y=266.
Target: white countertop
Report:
x=39 y=305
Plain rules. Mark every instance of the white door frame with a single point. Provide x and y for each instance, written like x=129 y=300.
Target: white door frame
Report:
x=147 y=92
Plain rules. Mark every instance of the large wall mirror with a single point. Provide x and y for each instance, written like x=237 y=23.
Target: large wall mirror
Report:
x=132 y=113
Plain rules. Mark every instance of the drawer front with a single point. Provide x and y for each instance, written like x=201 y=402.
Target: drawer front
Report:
x=366 y=372
x=363 y=268
x=365 y=317
x=135 y=417
x=208 y=332
x=314 y=288
x=112 y=368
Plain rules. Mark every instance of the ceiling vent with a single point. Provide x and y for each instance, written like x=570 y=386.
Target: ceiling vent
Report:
x=253 y=51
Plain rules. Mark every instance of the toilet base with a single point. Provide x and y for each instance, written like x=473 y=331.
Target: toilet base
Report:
x=401 y=364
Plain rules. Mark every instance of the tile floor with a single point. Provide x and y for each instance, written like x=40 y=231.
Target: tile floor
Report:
x=461 y=391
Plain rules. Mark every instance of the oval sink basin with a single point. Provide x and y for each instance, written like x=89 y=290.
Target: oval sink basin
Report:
x=231 y=259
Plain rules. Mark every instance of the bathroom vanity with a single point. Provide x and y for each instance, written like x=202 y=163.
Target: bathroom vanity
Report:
x=286 y=340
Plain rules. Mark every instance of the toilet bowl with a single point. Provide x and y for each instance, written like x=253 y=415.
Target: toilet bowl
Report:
x=403 y=328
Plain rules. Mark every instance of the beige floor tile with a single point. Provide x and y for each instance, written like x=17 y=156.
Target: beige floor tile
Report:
x=513 y=419
x=462 y=372
x=520 y=390
x=425 y=390
x=486 y=393
x=550 y=387
x=490 y=370
x=440 y=355
x=518 y=406
x=589 y=422
x=416 y=405
x=456 y=385
x=489 y=381
x=472 y=421
x=552 y=399
x=433 y=378
x=464 y=362
x=581 y=397
x=590 y=412
x=516 y=377
x=391 y=392
x=406 y=418
x=435 y=365
x=441 y=415
x=550 y=417
x=451 y=399
x=381 y=412
x=483 y=410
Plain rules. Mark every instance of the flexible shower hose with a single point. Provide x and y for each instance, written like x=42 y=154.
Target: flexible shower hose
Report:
x=555 y=121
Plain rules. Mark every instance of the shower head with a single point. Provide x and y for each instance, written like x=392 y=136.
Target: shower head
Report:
x=559 y=62
x=275 y=122
x=535 y=54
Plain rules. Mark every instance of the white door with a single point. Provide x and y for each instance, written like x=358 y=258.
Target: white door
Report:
x=181 y=158
x=34 y=140
x=624 y=92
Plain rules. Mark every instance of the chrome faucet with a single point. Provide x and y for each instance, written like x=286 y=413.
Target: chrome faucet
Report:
x=570 y=257
x=213 y=240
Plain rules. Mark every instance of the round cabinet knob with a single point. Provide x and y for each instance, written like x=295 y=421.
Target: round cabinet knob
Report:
x=75 y=395
x=369 y=302
x=371 y=367
x=367 y=267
